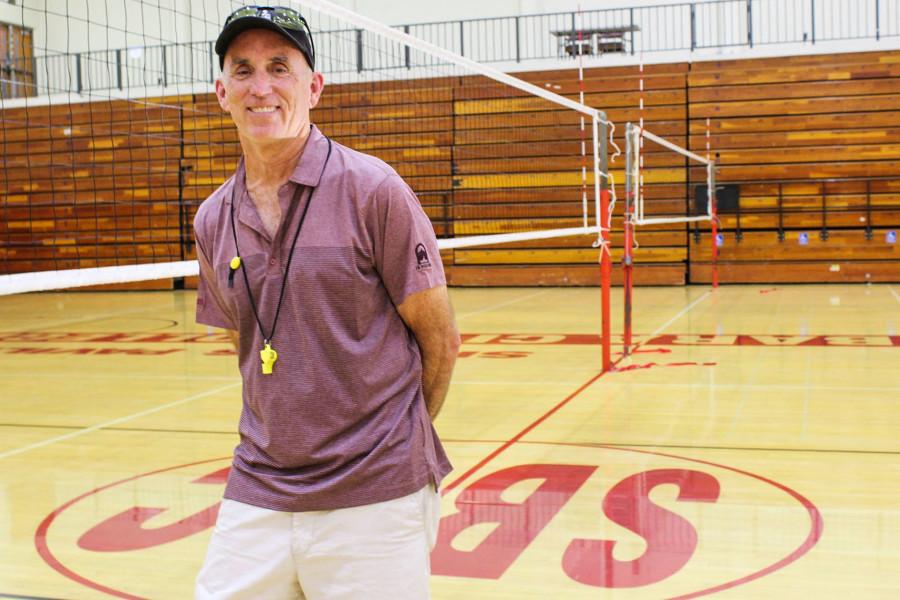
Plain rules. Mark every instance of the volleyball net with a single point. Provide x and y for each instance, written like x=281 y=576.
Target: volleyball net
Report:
x=116 y=137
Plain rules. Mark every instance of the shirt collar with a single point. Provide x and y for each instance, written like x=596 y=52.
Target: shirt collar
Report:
x=246 y=213
x=309 y=167
x=307 y=172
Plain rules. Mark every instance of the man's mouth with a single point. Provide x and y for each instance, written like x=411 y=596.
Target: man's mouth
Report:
x=263 y=109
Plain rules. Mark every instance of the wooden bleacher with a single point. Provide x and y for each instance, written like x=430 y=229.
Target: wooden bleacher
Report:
x=795 y=133
x=83 y=186
x=814 y=143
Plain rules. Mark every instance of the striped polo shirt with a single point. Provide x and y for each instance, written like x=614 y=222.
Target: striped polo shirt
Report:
x=341 y=421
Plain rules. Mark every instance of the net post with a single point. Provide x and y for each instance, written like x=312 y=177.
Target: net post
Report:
x=628 y=225
x=601 y=170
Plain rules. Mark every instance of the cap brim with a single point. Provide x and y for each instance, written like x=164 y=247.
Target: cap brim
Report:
x=239 y=26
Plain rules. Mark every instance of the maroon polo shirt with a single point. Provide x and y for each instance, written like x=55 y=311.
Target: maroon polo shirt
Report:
x=342 y=420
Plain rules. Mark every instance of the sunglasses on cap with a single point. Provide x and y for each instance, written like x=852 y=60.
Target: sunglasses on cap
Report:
x=286 y=20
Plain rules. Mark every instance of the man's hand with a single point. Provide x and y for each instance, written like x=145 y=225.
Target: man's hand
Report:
x=429 y=316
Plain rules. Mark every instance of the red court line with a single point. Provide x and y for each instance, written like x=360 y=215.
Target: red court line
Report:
x=503 y=447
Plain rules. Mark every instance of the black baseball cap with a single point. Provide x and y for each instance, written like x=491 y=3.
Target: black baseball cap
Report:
x=280 y=19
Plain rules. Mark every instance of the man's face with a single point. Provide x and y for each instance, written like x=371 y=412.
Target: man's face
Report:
x=267 y=86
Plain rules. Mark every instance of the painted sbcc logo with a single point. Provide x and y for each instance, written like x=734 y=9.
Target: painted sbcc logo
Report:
x=664 y=527
x=645 y=524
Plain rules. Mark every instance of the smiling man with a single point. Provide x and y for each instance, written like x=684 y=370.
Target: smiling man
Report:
x=322 y=267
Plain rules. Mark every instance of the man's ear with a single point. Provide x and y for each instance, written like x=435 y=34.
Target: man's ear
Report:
x=220 y=95
x=316 y=86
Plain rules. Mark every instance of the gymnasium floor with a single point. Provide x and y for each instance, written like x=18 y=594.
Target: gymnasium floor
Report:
x=750 y=448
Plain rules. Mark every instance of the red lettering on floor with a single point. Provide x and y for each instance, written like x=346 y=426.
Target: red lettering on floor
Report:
x=517 y=524
x=222 y=352
x=506 y=354
x=126 y=531
x=27 y=350
x=529 y=338
x=671 y=540
x=671 y=339
x=651 y=365
x=110 y=337
x=495 y=354
x=219 y=477
x=135 y=351
x=93 y=351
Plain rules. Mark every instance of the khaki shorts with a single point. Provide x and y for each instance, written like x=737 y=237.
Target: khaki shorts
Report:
x=377 y=551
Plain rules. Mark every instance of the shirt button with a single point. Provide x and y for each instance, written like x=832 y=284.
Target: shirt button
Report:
x=273 y=262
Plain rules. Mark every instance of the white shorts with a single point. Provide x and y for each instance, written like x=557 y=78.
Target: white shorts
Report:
x=377 y=551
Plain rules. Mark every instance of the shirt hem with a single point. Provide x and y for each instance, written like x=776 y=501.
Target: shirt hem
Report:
x=299 y=503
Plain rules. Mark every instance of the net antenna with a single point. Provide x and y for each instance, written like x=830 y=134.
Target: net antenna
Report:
x=493 y=158
x=637 y=202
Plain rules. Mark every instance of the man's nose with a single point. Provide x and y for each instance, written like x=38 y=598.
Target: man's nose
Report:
x=260 y=84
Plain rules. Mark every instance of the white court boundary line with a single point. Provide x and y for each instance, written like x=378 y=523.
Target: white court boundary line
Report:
x=681 y=313
x=499 y=305
x=894 y=293
x=93 y=428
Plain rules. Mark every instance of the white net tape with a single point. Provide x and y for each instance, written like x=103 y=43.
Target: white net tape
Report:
x=636 y=166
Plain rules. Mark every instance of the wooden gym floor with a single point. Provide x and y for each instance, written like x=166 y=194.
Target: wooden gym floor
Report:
x=750 y=448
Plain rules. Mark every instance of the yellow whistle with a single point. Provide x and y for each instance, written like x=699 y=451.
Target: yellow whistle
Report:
x=235 y=263
x=268 y=357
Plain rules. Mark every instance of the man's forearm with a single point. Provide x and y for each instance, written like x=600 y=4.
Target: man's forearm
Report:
x=429 y=316
x=437 y=367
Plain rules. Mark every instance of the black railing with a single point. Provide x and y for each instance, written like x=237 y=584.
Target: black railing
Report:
x=689 y=26
x=860 y=189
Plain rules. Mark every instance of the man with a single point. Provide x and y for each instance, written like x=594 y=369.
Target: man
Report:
x=325 y=271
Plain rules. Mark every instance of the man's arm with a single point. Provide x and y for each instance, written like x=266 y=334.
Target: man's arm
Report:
x=430 y=317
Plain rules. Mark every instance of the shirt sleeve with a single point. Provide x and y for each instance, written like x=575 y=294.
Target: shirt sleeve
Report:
x=405 y=247
x=211 y=306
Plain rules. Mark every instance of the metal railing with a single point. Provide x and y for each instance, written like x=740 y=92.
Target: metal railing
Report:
x=687 y=26
x=860 y=189
x=126 y=68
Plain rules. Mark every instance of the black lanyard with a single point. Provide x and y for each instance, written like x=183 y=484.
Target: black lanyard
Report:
x=268 y=354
